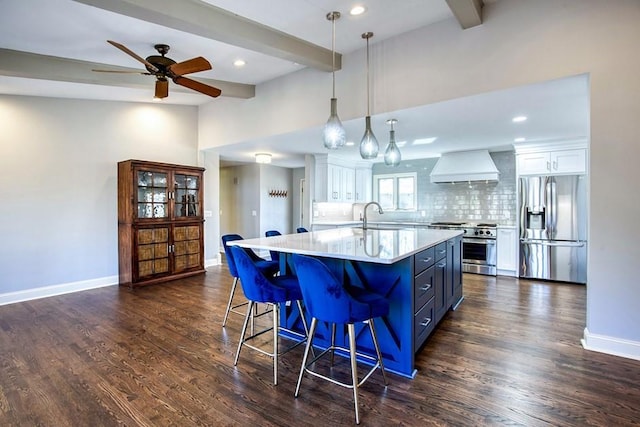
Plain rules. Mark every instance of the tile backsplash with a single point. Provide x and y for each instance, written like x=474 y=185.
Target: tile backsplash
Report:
x=478 y=201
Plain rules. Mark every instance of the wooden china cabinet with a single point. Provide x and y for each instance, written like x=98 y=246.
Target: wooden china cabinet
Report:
x=160 y=222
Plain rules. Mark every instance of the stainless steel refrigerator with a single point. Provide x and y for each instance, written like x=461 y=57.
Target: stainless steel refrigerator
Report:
x=553 y=228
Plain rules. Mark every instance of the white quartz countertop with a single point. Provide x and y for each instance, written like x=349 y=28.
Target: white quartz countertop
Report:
x=370 y=245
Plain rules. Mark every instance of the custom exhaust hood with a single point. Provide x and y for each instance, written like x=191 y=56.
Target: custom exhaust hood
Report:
x=476 y=165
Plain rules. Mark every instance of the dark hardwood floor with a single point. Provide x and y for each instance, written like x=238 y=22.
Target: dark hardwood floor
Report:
x=157 y=356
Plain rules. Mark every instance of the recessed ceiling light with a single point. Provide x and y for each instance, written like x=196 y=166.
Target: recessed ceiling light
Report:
x=239 y=63
x=423 y=141
x=357 y=10
x=520 y=139
x=519 y=119
x=349 y=143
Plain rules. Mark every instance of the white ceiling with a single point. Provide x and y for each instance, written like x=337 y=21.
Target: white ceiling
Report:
x=71 y=29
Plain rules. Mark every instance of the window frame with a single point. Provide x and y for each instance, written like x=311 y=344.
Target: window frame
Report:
x=396 y=193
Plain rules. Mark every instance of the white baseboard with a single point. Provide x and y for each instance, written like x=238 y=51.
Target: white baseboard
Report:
x=213 y=261
x=611 y=345
x=64 y=288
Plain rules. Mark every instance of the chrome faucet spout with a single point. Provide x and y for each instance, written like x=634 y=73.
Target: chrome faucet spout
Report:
x=364 y=216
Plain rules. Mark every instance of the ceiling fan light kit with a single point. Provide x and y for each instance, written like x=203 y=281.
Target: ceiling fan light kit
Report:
x=333 y=133
x=369 y=144
x=162 y=68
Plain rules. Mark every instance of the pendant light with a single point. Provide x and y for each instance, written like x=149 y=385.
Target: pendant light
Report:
x=333 y=134
x=369 y=143
x=392 y=154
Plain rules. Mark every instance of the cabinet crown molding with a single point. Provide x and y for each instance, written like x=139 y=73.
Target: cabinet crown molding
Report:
x=534 y=147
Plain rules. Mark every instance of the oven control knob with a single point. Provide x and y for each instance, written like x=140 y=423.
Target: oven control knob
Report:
x=476 y=233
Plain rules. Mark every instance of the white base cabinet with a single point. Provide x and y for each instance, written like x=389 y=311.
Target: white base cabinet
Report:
x=507 y=250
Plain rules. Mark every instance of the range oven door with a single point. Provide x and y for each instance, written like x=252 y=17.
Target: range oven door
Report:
x=479 y=256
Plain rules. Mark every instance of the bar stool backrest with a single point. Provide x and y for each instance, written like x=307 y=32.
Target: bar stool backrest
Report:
x=255 y=285
x=324 y=296
x=275 y=255
x=227 y=251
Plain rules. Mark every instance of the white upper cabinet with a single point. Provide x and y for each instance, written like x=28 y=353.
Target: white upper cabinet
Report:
x=363 y=183
x=348 y=185
x=570 y=161
x=337 y=182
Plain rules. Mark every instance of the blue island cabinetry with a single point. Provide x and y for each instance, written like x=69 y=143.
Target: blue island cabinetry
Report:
x=418 y=271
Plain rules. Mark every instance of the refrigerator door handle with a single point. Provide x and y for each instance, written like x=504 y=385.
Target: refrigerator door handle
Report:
x=578 y=244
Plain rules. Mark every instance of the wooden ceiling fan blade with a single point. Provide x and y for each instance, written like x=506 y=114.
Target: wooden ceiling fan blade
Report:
x=189 y=66
x=162 y=88
x=134 y=55
x=197 y=86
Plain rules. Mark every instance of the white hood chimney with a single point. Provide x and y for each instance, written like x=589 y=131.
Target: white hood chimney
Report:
x=465 y=166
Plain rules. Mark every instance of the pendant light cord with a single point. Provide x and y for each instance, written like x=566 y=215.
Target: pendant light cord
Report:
x=368 y=100
x=333 y=54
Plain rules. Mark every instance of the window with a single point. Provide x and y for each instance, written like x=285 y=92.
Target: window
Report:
x=395 y=191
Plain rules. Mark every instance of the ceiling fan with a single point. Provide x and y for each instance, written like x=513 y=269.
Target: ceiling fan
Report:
x=164 y=68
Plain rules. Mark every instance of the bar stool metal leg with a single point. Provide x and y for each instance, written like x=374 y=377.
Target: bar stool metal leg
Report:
x=276 y=318
x=244 y=330
x=312 y=330
x=233 y=291
x=354 y=367
x=333 y=342
x=375 y=344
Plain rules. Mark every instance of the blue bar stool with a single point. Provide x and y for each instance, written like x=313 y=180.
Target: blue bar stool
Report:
x=301 y=230
x=328 y=300
x=275 y=255
x=268 y=267
x=271 y=290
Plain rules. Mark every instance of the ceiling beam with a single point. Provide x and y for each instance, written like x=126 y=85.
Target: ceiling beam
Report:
x=203 y=19
x=34 y=66
x=467 y=12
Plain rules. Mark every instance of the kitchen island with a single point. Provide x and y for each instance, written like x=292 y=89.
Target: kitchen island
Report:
x=419 y=270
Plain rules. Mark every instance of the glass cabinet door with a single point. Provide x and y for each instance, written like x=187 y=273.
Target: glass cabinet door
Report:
x=187 y=200
x=152 y=197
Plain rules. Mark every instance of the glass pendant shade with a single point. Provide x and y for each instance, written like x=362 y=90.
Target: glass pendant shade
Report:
x=392 y=154
x=368 y=144
x=333 y=134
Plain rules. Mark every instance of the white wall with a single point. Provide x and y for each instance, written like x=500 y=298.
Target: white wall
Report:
x=521 y=42
x=240 y=196
x=296 y=202
x=211 y=162
x=58 y=188
x=275 y=212
x=244 y=189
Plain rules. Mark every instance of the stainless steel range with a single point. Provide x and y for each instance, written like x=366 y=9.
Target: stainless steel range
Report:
x=478 y=245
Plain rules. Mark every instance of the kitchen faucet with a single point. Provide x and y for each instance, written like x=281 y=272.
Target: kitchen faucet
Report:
x=364 y=216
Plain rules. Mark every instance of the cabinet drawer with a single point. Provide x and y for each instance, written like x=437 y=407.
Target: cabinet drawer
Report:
x=423 y=260
x=423 y=288
x=441 y=251
x=424 y=322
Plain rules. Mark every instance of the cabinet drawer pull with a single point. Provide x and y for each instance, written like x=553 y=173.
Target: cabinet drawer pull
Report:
x=426 y=288
x=425 y=322
x=428 y=259
x=441 y=265
x=443 y=251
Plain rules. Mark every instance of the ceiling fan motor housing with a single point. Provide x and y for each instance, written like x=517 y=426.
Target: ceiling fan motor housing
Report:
x=162 y=63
